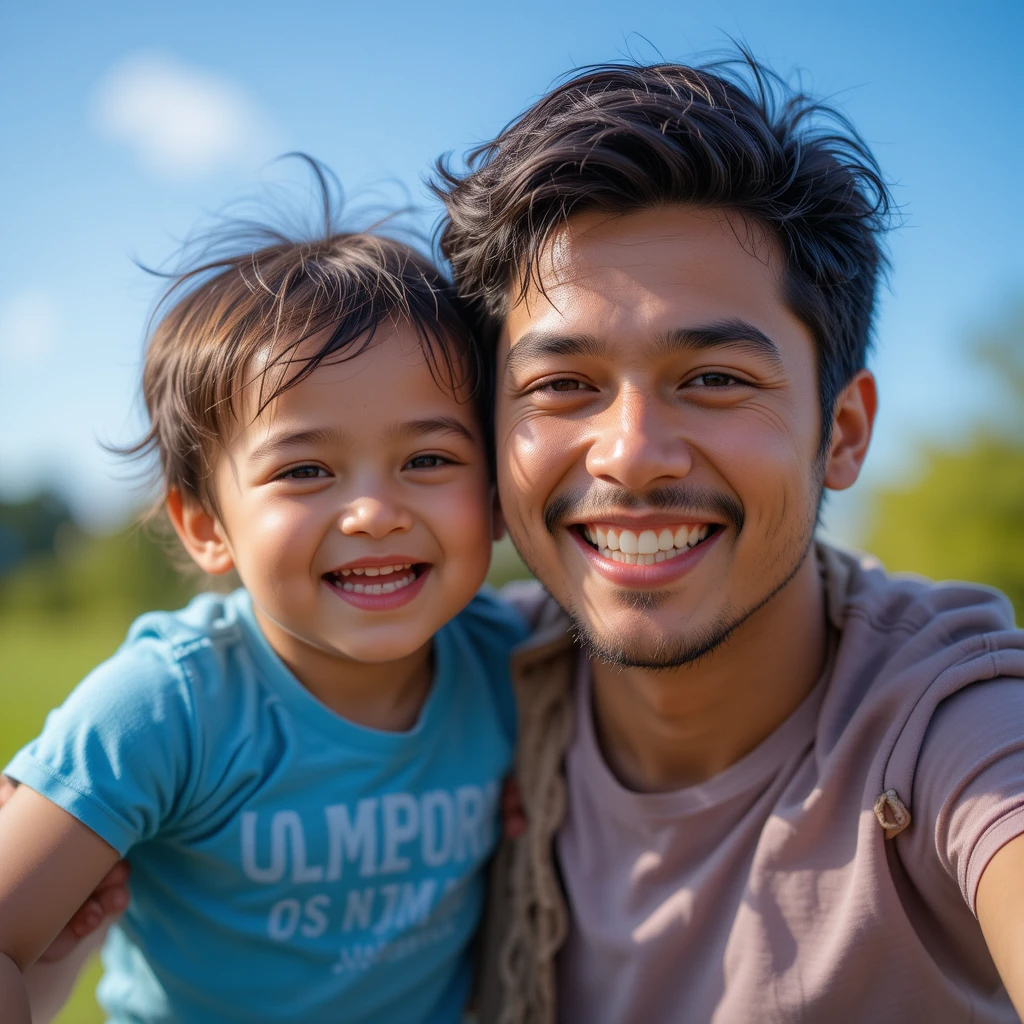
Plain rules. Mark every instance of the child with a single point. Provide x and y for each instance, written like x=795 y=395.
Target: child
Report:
x=302 y=774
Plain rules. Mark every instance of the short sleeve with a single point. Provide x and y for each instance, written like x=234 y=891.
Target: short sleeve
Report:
x=116 y=753
x=494 y=628
x=969 y=782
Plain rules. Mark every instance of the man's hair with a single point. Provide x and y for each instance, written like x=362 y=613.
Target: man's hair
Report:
x=619 y=138
x=240 y=322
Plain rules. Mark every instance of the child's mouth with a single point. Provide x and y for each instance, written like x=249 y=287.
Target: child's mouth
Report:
x=379 y=581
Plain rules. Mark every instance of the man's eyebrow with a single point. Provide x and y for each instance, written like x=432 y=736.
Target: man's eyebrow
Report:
x=731 y=332
x=411 y=429
x=546 y=343
x=295 y=439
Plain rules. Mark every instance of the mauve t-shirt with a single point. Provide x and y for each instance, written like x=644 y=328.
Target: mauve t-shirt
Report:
x=750 y=897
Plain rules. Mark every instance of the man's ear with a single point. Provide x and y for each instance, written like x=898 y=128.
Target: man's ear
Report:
x=497 y=519
x=200 y=532
x=852 y=423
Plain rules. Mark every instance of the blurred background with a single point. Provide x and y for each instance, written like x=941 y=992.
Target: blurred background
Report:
x=126 y=124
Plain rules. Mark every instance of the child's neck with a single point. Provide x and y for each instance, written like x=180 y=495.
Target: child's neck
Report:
x=378 y=695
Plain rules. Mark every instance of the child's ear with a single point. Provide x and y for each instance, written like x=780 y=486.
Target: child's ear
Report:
x=201 y=533
x=497 y=519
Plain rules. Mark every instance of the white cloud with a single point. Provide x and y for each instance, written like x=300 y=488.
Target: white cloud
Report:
x=182 y=122
x=29 y=325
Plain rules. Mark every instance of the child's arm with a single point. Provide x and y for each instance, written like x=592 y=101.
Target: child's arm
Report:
x=49 y=863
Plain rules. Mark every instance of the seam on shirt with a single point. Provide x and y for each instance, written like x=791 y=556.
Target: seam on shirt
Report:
x=89 y=798
x=187 y=673
x=994 y=838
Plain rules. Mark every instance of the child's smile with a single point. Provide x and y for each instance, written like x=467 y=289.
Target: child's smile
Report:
x=357 y=509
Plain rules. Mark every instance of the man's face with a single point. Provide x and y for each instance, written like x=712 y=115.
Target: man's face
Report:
x=658 y=430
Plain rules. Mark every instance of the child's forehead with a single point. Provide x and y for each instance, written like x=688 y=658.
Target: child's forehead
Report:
x=392 y=378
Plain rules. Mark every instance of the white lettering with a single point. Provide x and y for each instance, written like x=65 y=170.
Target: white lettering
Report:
x=284 y=826
x=390 y=894
x=347 y=840
x=414 y=903
x=438 y=817
x=470 y=811
x=358 y=909
x=401 y=824
x=314 y=919
x=283 y=920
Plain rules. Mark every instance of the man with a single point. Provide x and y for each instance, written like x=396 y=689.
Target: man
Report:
x=776 y=784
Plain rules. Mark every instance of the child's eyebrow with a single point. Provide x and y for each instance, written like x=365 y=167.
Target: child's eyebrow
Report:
x=276 y=442
x=410 y=429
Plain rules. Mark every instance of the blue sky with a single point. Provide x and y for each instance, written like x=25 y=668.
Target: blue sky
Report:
x=124 y=123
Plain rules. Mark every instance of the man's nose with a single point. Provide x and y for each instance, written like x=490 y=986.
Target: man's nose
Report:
x=639 y=443
x=375 y=516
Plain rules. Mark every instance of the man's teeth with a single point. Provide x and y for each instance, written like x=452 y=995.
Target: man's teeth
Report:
x=377 y=588
x=647 y=546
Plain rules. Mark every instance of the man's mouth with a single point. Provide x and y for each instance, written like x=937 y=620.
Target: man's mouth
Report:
x=645 y=547
x=380 y=579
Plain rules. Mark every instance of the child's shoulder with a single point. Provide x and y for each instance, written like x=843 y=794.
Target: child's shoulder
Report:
x=208 y=619
x=168 y=659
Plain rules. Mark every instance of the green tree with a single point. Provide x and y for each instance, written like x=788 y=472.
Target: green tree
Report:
x=962 y=517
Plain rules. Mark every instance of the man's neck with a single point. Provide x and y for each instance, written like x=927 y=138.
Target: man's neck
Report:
x=666 y=729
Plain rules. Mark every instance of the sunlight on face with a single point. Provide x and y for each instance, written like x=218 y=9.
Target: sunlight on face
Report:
x=658 y=423
x=357 y=506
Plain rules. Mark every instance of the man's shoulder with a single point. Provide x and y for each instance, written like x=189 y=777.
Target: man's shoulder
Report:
x=896 y=609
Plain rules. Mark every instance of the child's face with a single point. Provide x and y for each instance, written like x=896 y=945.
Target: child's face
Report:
x=357 y=507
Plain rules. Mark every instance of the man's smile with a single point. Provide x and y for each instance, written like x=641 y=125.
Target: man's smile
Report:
x=629 y=566
x=645 y=546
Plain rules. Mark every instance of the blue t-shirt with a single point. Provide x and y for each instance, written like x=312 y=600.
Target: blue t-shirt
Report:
x=287 y=865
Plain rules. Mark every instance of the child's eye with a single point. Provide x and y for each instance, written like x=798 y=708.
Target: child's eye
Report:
x=303 y=473
x=427 y=462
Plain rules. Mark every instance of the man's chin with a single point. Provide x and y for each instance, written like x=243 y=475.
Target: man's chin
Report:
x=655 y=652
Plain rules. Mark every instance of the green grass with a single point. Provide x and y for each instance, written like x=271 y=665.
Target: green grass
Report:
x=42 y=660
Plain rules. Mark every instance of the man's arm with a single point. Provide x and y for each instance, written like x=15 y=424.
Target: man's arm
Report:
x=1000 y=908
x=49 y=863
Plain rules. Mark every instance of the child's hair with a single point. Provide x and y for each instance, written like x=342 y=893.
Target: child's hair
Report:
x=238 y=321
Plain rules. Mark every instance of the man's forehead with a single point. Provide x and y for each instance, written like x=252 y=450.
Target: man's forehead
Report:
x=657 y=271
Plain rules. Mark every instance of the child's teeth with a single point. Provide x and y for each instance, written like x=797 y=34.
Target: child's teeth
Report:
x=379 y=588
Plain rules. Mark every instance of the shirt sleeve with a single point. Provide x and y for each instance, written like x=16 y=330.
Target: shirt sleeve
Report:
x=116 y=754
x=969 y=783
x=496 y=627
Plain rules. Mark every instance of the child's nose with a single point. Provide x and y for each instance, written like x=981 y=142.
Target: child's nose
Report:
x=375 y=517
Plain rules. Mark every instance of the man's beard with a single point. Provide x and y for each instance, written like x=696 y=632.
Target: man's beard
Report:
x=675 y=651
x=685 y=648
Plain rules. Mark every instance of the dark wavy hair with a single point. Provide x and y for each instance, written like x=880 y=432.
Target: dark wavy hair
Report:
x=236 y=318
x=731 y=135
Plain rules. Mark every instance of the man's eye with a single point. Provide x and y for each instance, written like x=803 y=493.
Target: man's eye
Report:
x=303 y=473
x=563 y=385
x=427 y=462
x=714 y=380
